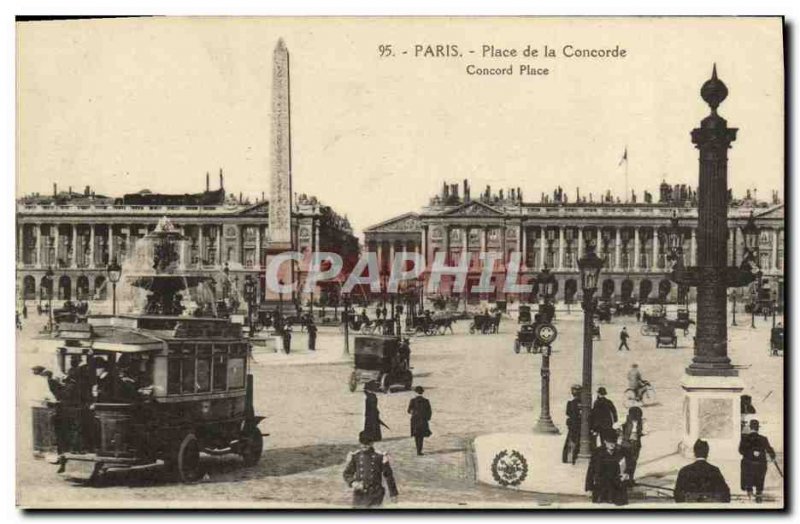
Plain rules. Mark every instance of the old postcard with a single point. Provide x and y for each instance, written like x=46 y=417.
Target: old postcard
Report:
x=425 y=263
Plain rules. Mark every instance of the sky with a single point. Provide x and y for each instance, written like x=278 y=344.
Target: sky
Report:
x=127 y=104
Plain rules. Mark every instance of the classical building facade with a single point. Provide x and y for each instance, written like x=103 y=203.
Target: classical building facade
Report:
x=77 y=235
x=554 y=233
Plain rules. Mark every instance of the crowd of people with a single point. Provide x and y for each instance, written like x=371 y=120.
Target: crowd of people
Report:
x=367 y=469
x=616 y=448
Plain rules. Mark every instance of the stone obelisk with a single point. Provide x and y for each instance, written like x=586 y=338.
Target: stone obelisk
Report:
x=280 y=203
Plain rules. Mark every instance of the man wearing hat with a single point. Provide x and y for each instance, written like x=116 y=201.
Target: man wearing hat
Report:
x=573 y=425
x=605 y=477
x=420 y=409
x=364 y=473
x=754 y=449
x=372 y=415
x=604 y=414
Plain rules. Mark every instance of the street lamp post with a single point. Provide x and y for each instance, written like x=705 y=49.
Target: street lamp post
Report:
x=114 y=273
x=545 y=422
x=280 y=296
x=733 y=295
x=589 y=266
x=751 y=240
x=346 y=314
x=249 y=296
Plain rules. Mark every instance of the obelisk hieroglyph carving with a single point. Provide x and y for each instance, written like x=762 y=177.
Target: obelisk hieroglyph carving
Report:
x=280 y=205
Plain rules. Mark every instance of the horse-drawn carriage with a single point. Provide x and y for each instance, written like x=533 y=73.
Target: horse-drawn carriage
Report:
x=626 y=308
x=683 y=321
x=385 y=360
x=485 y=324
x=433 y=325
x=603 y=312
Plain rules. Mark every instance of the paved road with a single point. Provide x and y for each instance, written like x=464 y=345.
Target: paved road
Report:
x=476 y=384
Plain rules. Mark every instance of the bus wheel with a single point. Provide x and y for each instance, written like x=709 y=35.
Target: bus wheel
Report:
x=189 y=459
x=252 y=445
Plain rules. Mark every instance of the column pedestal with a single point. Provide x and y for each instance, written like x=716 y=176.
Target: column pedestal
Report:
x=710 y=411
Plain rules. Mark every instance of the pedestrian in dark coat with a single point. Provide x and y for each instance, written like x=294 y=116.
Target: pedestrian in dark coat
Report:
x=623 y=339
x=312 y=335
x=604 y=413
x=365 y=472
x=632 y=431
x=701 y=481
x=605 y=477
x=24 y=311
x=372 y=416
x=754 y=449
x=572 y=442
x=420 y=410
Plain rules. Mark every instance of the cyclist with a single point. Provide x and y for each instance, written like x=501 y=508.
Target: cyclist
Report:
x=635 y=381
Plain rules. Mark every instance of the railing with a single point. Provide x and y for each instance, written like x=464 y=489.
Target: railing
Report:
x=122 y=209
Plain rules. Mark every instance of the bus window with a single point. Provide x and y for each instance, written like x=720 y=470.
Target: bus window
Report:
x=236 y=373
x=204 y=373
x=187 y=375
x=220 y=371
x=173 y=376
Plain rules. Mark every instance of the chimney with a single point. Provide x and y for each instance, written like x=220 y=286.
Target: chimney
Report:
x=240 y=197
x=262 y=196
x=55 y=189
x=466 y=190
x=445 y=191
x=221 y=183
x=455 y=190
x=208 y=182
x=70 y=190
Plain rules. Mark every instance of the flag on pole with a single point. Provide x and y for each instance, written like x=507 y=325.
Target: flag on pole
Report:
x=624 y=157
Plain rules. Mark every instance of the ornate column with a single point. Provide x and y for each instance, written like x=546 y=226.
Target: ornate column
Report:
x=503 y=244
x=655 y=249
x=257 y=262
x=425 y=244
x=599 y=249
x=110 y=243
x=561 y=248
x=39 y=245
x=636 y=253
x=712 y=138
x=74 y=262
x=218 y=257
x=464 y=240
x=693 y=249
x=523 y=238
x=580 y=242
x=91 y=246
x=56 y=243
x=128 y=245
x=446 y=243
x=711 y=387
x=391 y=255
x=542 y=244
x=775 y=250
x=200 y=242
x=617 y=242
